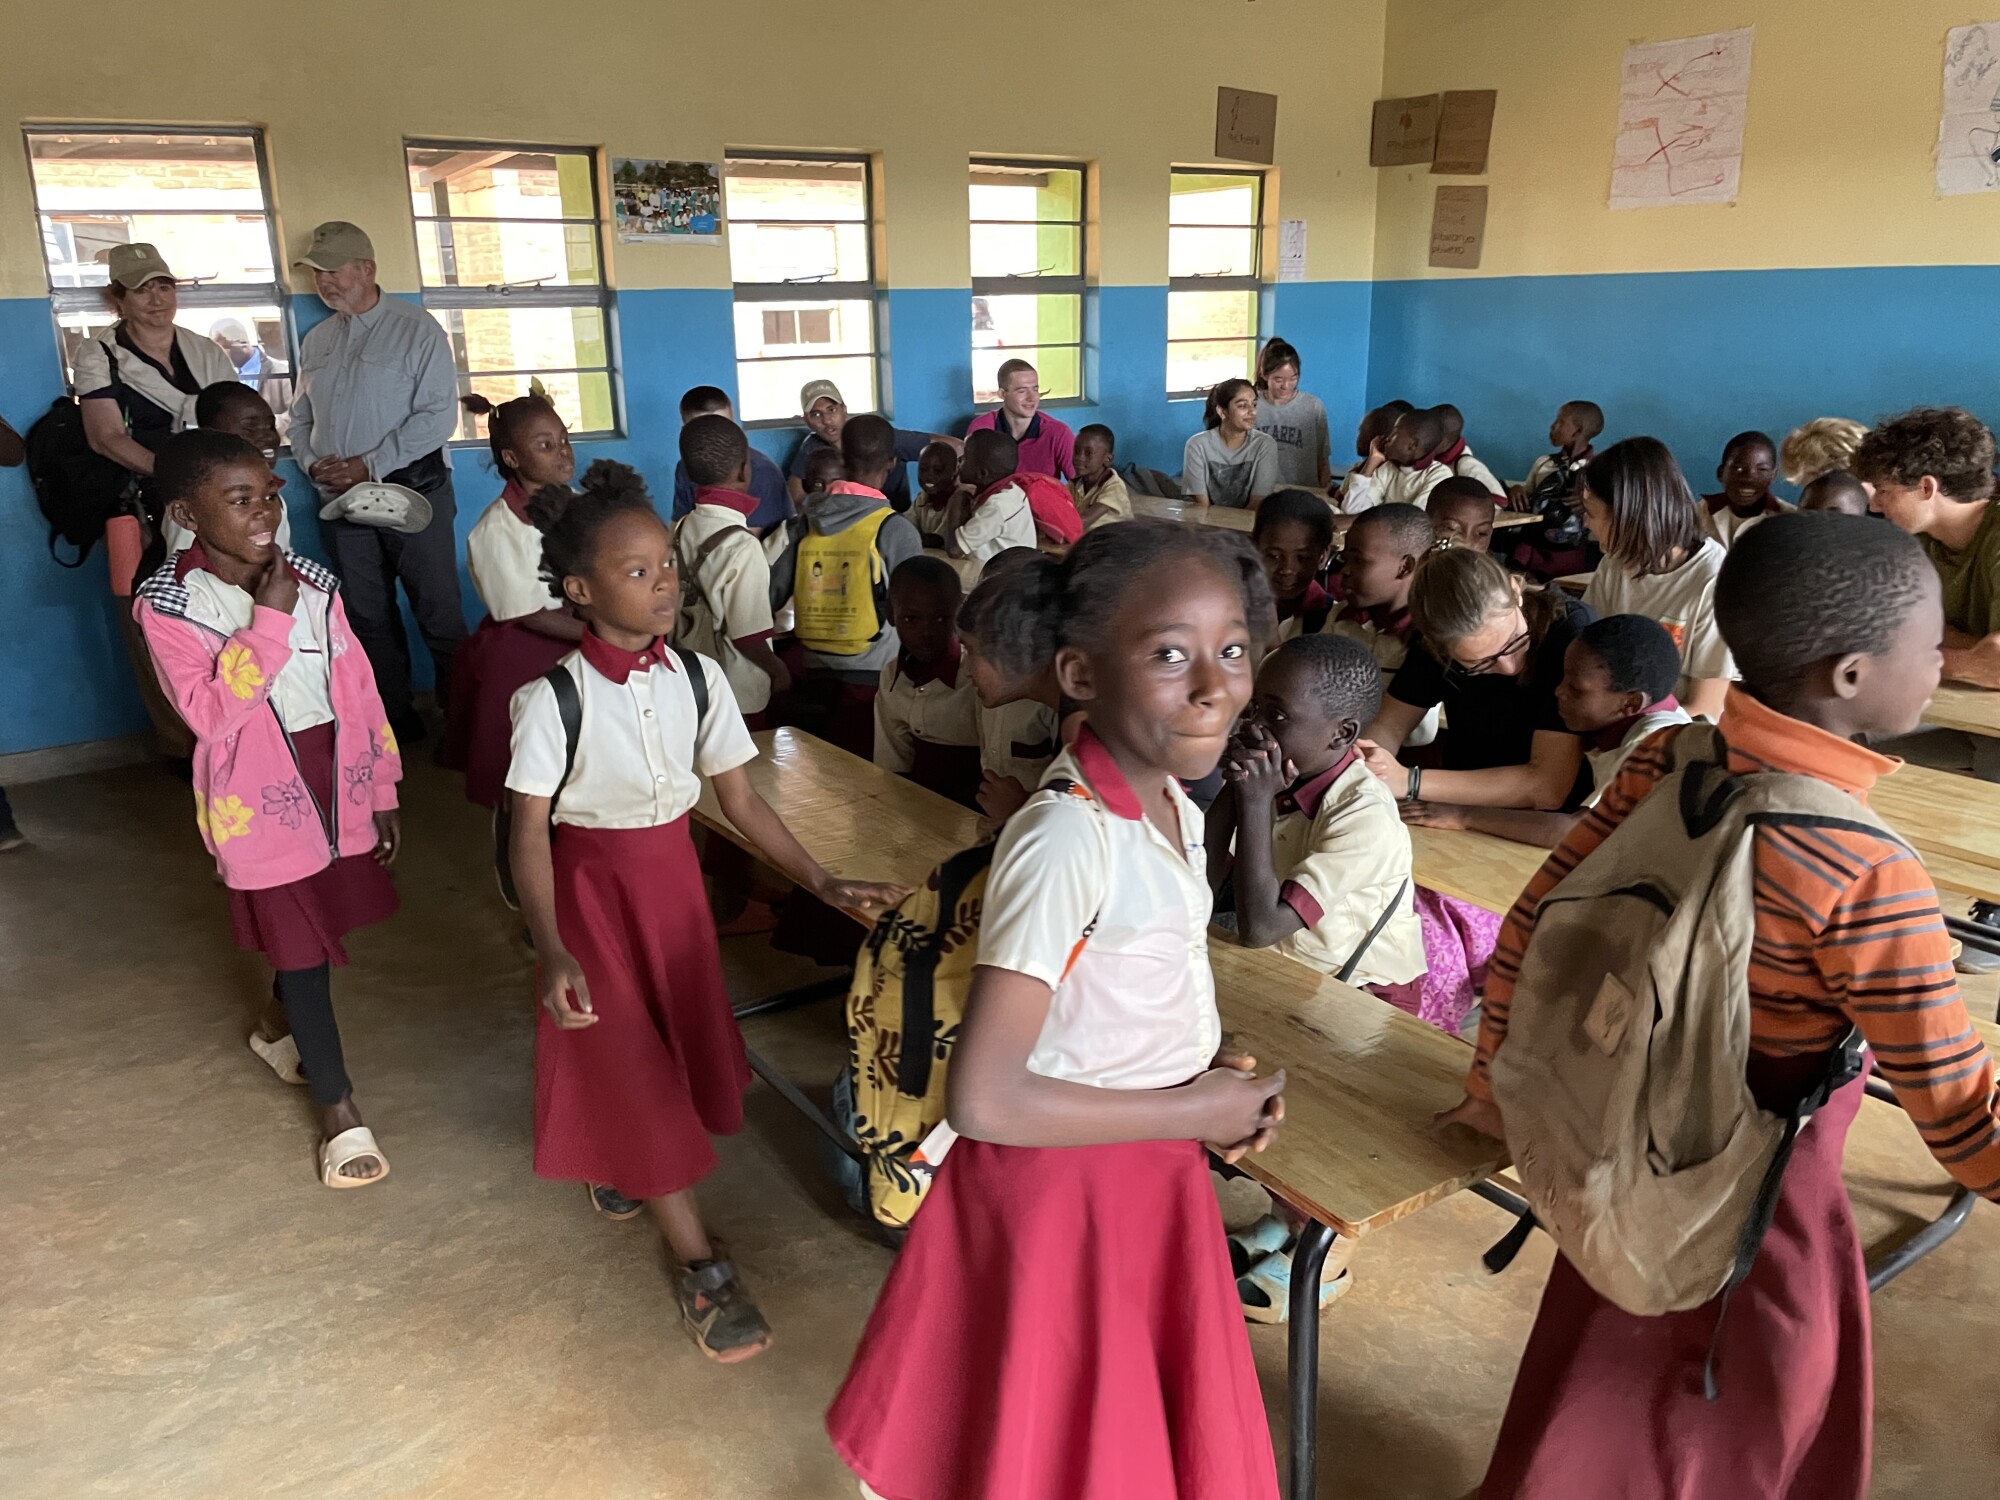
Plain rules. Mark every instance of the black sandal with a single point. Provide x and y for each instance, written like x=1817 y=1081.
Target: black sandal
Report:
x=613 y=1204
x=724 y=1323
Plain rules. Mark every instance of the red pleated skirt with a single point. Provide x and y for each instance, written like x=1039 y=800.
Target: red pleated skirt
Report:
x=633 y=1100
x=1060 y=1323
x=1610 y=1406
x=300 y=925
x=499 y=659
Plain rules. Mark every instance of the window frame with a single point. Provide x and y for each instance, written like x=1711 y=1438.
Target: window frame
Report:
x=1039 y=284
x=869 y=291
x=463 y=298
x=91 y=299
x=1254 y=283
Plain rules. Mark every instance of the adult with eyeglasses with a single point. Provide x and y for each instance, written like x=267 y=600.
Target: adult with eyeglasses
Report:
x=1047 y=446
x=1490 y=649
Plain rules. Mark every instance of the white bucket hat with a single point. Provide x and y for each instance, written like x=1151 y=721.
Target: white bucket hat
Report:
x=393 y=507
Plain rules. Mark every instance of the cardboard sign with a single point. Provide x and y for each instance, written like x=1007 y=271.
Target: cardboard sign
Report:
x=1246 y=126
x=1458 y=227
x=1464 y=133
x=1405 y=131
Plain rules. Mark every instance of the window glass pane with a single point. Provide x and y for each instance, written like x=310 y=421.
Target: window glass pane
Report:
x=1027 y=250
x=1210 y=315
x=784 y=330
x=1059 y=371
x=1211 y=252
x=1197 y=366
x=798 y=252
x=260 y=354
x=1212 y=198
x=581 y=398
x=516 y=254
x=770 y=189
x=1008 y=322
x=1026 y=192
x=769 y=389
x=525 y=339
x=497 y=182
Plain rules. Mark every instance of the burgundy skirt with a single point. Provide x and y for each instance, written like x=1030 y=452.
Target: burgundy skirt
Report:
x=499 y=659
x=633 y=1100
x=1610 y=1405
x=300 y=925
x=1061 y=1322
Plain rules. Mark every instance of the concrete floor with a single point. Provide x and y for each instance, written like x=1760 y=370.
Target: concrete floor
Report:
x=188 y=1314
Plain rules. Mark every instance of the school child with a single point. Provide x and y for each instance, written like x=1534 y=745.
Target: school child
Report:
x=1461 y=512
x=1293 y=534
x=725 y=579
x=295 y=767
x=1617 y=689
x=1555 y=476
x=233 y=407
x=1399 y=469
x=825 y=468
x=927 y=711
x=1098 y=490
x=1293 y=419
x=766 y=484
x=1456 y=456
x=1229 y=462
x=1559 y=545
x=637 y=1058
x=1378 y=561
x=525 y=632
x=991 y=512
x=1374 y=427
x=1320 y=871
x=937 y=484
x=1749 y=464
x=1834 y=621
x=1088 y=1074
x=1819 y=447
x=1836 y=490
x=1010 y=648
x=1657 y=563
x=853 y=542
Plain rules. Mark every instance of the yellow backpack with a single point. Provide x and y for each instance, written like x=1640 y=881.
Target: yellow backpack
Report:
x=840 y=592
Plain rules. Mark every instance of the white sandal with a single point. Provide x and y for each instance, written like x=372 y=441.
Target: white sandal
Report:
x=282 y=1056
x=350 y=1146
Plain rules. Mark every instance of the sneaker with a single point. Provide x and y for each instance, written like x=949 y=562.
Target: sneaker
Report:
x=719 y=1314
x=613 y=1204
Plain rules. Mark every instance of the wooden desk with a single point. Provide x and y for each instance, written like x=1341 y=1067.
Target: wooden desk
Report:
x=1227 y=517
x=1510 y=518
x=1974 y=710
x=1955 y=819
x=1574 y=584
x=1477 y=867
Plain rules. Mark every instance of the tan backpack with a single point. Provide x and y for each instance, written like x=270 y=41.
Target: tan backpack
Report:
x=1622 y=1080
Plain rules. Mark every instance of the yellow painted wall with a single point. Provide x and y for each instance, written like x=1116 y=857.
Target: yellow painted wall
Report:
x=1126 y=84
x=1838 y=156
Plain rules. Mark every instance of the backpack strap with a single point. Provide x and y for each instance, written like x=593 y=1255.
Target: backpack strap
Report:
x=569 y=704
x=913 y=1065
x=705 y=551
x=1361 y=948
x=697 y=684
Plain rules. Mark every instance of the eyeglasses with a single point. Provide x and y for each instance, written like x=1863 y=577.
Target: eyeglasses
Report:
x=1485 y=664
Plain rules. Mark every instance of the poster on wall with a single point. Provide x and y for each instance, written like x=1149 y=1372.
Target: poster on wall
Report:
x=1404 y=131
x=1292 y=250
x=1458 y=227
x=1681 y=106
x=666 y=202
x=1464 y=133
x=1968 y=154
x=1246 y=126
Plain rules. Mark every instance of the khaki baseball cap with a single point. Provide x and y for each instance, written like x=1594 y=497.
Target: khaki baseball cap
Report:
x=334 y=244
x=132 y=266
x=818 y=390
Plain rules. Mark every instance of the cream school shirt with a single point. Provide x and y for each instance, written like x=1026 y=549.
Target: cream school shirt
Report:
x=302 y=691
x=1018 y=740
x=639 y=762
x=730 y=600
x=1392 y=484
x=1003 y=520
x=1683 y=601
x=1605 y=764
x=504 y=555
x=1136 y=1007
x=940 y=712
x=1342 y=855
x=1466 y=466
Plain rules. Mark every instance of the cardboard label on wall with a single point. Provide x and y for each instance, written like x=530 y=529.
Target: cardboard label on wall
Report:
x=1246 y=126
x=1464 y=133
x=1458 y=227
x=1405 y=131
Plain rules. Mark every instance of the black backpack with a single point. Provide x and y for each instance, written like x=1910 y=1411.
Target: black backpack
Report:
x=78 y=488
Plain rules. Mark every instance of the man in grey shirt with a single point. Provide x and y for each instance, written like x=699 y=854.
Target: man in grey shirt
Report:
x=378 y=400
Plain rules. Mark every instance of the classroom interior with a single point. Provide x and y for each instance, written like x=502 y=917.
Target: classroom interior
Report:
x=188 y=1316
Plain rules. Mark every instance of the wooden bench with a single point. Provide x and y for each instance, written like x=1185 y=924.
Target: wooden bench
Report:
x=1970 y=709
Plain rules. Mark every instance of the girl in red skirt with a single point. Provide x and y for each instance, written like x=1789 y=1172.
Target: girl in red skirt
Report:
x=1062 y=1320
x=525 y=632
x=637 y=1057
x=295 y=767
x=1834 y=622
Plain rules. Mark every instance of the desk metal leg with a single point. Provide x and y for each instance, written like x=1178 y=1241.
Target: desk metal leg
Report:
x=1925 y=1240
x=805 y=994
x=789 y=1092
x=1308 y=1256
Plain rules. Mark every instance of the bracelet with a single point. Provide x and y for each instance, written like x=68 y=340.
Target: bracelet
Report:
x=1416 y=791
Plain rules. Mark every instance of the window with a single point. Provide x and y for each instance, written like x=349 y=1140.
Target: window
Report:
x=201 y=196
x=512 y=261
x=1215 y=245
x=1027 y=275
x=802 y=256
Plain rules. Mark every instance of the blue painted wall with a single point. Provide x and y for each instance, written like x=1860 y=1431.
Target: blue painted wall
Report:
x=1690 y=358
x=63 y=674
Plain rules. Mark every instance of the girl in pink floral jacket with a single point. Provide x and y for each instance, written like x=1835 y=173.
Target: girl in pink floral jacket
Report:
x=295 y=768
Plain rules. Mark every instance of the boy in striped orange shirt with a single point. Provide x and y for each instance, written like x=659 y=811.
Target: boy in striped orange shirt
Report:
x=1835 y=622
